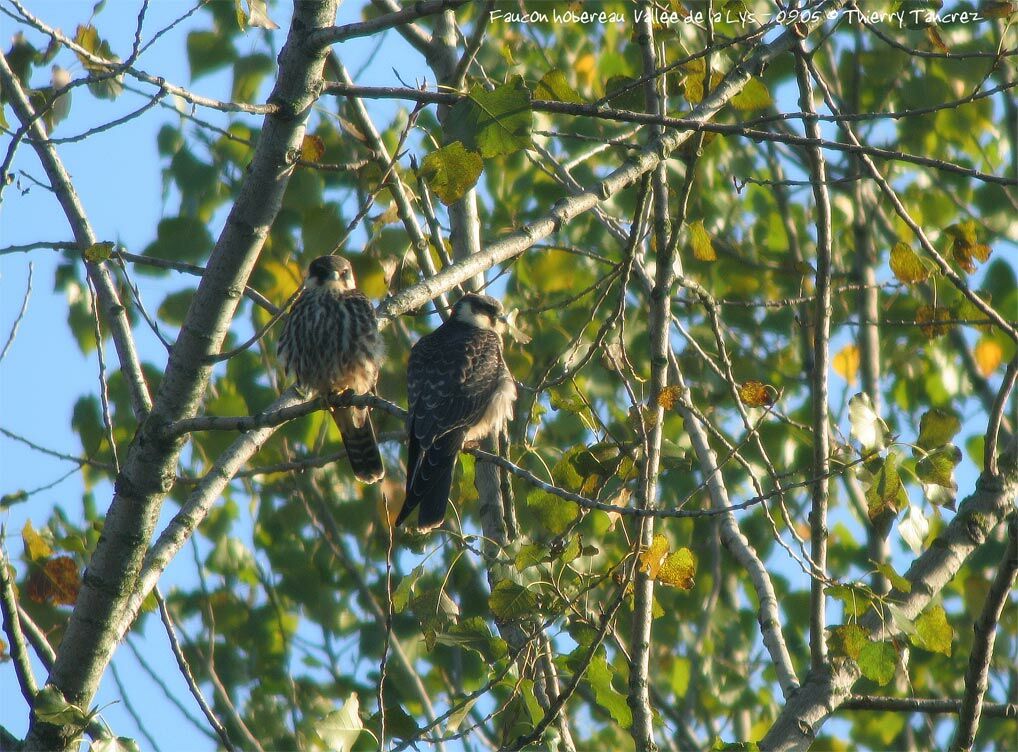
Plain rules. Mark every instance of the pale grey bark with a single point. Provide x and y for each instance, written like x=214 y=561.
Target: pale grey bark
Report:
x=819 y=388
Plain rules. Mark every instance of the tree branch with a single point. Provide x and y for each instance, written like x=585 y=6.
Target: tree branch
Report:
x=336 y=34
x=12 y=628
x=148 y=469
x=985 y=629
x=625 y=175
x=823 y=692
x=98 y=274
x=821 y=344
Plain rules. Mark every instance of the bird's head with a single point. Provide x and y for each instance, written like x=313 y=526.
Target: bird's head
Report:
x=331 y=271
x=482 y=311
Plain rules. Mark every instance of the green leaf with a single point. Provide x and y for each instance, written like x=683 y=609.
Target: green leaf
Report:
x=401 y=595
x=457 y=716
x=599 y=675
x=554 y=87
x=231 y=557
x=111 y=744
x=848 y=640
x=856 y=601
x=914 y=528
x=493 y=123
x=173 y=310
x=936 y=428
x=339 y=729
x=51 y=707
x=877 y=661
x=248 y=74
x=509 y=601
x=938 y=467
x=754 y=96
x=906 y=265
x=885 y=491
x=180 y=239
x=933 y=632
x=322 y=229
x=531 y=554
x=451 y=171
x=554 y=513
x=474 y=634
x=208 y=51
x=630 y=98
x=898 y=582
x=681 y=672
x=867 y=426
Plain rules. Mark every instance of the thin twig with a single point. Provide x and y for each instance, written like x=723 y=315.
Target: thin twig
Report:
x=21 y=314
x=185 y=669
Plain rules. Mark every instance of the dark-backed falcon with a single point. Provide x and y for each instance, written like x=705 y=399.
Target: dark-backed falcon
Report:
x=330 y=343
x=459 y=390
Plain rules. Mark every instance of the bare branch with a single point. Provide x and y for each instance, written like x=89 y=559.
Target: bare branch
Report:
x=21 y=314
x=337 y=34
x=821 y=344
x=690 y=123
x=923 y=705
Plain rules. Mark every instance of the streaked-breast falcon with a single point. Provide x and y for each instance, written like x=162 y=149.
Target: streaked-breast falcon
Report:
x=330 y=343
x=459 y=390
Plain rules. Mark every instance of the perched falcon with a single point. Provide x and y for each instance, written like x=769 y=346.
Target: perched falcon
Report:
x=330 y=343
x=460 y=390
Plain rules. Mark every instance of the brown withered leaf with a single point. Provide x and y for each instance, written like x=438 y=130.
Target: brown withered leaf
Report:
x=57 y=582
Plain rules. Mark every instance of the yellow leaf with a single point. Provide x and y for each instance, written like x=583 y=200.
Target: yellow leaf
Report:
x=678 y=569
x=756 y=394
x=703 y=248
x=35 y=545
x=652 y=558
x=906 y=265
x=669 y=396
x=846 y=363
x=312 y=148
x=585 y=69
x=988 y=355
x=754 y=96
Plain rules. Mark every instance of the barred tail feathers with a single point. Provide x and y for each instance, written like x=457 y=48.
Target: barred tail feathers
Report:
x=359 y=440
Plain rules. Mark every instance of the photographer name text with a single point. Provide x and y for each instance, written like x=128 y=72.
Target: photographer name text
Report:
x=900 y=18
